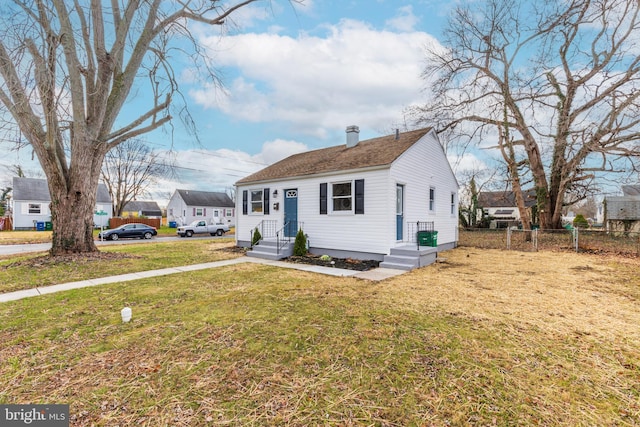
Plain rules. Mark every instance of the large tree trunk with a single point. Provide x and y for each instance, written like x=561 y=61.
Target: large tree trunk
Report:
x=72 y=217
x=73 y=201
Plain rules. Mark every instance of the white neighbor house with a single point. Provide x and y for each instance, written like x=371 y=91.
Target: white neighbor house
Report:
x=364 y=200
x=31 y=201
x=186 y=206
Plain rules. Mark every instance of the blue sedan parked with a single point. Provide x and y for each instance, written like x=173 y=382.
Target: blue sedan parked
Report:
x=135 y=231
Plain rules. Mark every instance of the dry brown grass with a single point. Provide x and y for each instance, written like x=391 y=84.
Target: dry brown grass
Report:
x=486 y=337
x=22 y=237
x=555 y=292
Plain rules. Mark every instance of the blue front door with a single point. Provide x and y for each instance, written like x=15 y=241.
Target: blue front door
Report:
x=399 y=211
x=291 y=212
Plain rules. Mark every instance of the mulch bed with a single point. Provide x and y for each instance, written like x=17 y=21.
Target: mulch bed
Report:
x=346 y=263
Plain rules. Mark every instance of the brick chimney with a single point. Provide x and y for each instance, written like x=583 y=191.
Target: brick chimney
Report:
x=352 y=136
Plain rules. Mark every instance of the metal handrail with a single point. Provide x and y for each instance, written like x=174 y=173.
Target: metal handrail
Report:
x=253 y=232
x=286 y=239
x=419 y=226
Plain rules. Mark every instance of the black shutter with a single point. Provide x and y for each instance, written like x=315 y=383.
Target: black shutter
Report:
x=359 y=196
x=266 y=201
x=323 y=198
x=245 y=202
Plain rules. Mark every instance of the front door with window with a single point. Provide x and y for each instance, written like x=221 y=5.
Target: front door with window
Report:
x=291 y=212
x=399 y=211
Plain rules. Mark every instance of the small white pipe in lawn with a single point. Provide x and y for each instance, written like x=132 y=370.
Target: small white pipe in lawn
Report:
x=126 y=314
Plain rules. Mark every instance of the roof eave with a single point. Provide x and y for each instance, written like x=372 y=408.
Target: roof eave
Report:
x=314 y=175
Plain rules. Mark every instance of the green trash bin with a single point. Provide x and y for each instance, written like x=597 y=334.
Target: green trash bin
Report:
x=428 y=238
x=48 y=225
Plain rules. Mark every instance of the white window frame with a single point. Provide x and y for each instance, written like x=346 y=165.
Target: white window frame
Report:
x=34 y=208
x=199 y=211
x=432 y=199
x=256 y=207
x=350 y=197
x=229 y=213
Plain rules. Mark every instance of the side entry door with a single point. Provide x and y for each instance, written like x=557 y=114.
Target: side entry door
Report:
x=399 y=211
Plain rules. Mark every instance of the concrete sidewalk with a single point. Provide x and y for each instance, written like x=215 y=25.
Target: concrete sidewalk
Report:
x=375 y=275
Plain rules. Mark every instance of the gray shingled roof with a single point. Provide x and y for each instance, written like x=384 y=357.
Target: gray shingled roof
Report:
x=37 y=190
x=206 y=198
x=631 y=190
x=148 y=208
x=380 y=151
x=504 y=199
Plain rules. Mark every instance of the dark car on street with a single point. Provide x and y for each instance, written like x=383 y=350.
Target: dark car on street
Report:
x=129 y=231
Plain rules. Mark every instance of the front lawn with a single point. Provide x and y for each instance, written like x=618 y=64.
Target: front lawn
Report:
x=33 y=270
x=483 y=338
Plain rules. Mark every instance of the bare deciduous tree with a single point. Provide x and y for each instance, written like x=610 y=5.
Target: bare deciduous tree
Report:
x=554 y=84
x=66 y=70
x=130 y=170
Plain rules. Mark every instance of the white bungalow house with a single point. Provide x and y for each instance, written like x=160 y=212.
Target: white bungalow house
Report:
x=381 y=199
x=186 y=206
x=31 y=202
x=501 y=208
x=622 y=213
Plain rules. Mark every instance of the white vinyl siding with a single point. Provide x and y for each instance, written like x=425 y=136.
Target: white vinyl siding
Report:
x=25 y=215
x=422 y=167
x=349 y=232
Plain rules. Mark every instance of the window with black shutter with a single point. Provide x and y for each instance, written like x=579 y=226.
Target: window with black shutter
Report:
x=245 y=202
x=323 y=198
x=359 y=196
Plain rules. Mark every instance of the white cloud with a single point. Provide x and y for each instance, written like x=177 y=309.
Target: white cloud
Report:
x=351 y=74
x=217 y=170
x=404 y=21
x=467 y=162
x=274 y=151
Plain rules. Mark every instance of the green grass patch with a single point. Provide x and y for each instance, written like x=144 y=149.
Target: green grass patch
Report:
x=260 y=346
x=29 y=271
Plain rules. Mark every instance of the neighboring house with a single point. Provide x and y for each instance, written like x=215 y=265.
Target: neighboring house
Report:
x=140 y=208
x=501 y=207
x=31 y=202
x=186 y=206
x=622 y=213
x=363 y=200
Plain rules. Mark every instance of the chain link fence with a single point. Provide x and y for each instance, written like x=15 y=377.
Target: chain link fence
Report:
x=579 y=240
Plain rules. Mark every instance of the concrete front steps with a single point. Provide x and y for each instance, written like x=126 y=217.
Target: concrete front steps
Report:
x=409 y=257
x=268 y=249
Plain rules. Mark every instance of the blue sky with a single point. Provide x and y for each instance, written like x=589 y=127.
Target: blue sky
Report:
x=295 y=76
